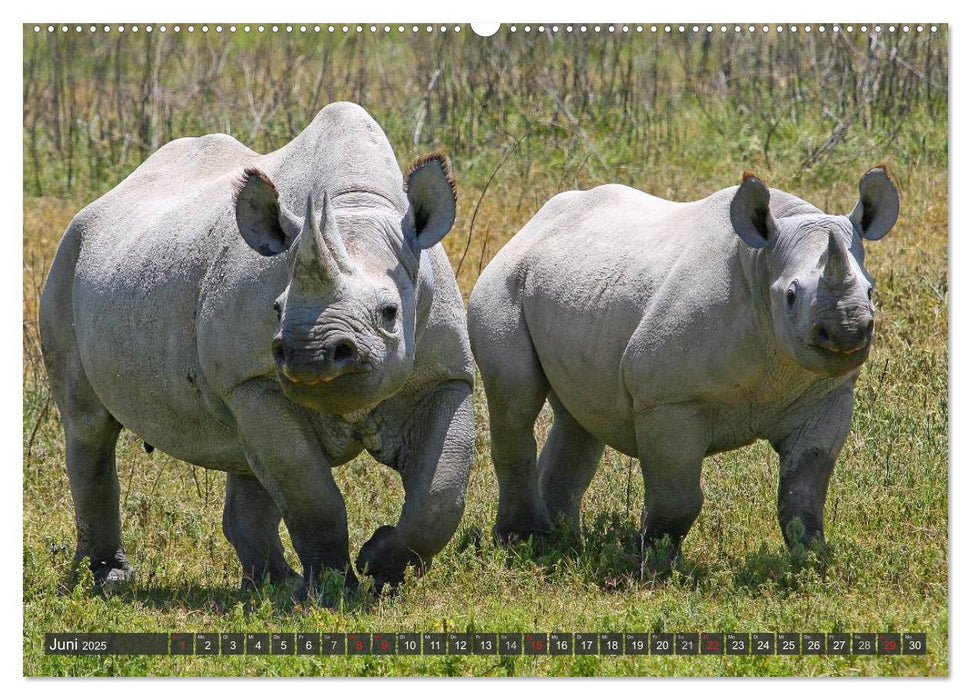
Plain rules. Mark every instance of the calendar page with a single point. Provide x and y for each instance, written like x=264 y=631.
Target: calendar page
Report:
x=536 y=349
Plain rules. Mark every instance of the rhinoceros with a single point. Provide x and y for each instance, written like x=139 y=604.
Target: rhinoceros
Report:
x=673 y=331
x=270 y=316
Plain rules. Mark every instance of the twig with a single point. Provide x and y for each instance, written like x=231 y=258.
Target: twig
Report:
x=37 y=421
x=505 y=157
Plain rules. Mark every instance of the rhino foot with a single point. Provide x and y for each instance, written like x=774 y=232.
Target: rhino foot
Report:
x=385 y=558
x=113 y=574
x=328 y=588
x=518 y=520
x=510 y=535
x=659 y=552
x=287 y=579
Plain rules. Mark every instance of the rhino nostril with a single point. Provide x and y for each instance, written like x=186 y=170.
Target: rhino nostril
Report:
x=822 y=337
x=869 y=327
x=344 y=353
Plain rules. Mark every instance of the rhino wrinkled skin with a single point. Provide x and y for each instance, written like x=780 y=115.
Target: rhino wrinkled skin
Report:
x=672 y=331
x=270 y=316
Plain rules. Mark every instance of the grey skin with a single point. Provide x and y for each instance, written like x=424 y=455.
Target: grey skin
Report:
x=270 y=316
x=672 y=331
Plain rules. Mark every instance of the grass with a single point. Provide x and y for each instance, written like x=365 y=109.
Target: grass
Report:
x=885 y=565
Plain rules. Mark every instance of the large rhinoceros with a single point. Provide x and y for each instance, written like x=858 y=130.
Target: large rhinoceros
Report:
x=269 y=316
x=671 y=331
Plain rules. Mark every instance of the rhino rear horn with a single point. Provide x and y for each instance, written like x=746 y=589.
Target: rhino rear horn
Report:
x=332 y=237
x=320 y=249
x=837 y=260
x=876 y=212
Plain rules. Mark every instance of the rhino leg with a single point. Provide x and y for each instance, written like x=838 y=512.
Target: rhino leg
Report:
x=434 y=461
x=251 y=523
x=567 y=464
x=285 y=454
x=90 y=446
x=516 y=388
x=671 y=445
x=90 y=431
x=91 y=434
x=807 y=456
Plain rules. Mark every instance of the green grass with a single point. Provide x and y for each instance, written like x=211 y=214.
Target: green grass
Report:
x=885 y=565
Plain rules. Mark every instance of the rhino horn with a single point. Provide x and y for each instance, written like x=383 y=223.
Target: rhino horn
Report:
x=332 y=237
x=837 y=260
x=320 y=248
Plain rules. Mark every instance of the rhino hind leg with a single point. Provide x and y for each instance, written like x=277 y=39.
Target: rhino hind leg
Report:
x=251 y=523
x=90 y=431
x=91 y=434
x=567 y=464
x=516 y=388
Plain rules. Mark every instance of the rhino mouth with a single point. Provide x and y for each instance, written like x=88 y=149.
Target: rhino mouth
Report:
x=837 y=362
x=334 y=394
x=313 y=381
x=843 y=353
x=309 y=382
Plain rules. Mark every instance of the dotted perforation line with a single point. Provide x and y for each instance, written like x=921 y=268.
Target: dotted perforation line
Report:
x=442 y=28
x=715 y=28
x=251 y=28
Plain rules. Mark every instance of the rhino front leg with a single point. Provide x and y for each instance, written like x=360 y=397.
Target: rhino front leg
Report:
x=671 y=444
x=434 y=462
x=807 y=456
x=285 y=454
x=251 y=523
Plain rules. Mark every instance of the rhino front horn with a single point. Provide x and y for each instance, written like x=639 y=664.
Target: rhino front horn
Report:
x=837 y=260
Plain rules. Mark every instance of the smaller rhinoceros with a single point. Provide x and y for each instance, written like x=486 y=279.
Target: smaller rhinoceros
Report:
x=672 y=331
x=270 y=316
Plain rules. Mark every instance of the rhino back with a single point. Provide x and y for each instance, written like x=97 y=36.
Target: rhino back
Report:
x=632 y=300
x=146 y=248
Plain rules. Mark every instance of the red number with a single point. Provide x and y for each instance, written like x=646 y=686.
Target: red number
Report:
x=711 y=645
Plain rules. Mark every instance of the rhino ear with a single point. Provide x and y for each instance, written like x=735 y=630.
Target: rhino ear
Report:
x=265 y=224
x=431 y=199
x=750 y=214
x=876 y=212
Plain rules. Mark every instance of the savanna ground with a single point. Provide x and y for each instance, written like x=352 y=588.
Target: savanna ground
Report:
x=523 y=117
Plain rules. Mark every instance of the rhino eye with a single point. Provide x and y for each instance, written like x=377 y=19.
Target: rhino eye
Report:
x=389 y=315
x=791 y=296
x=277 y=310
x=869 y=292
